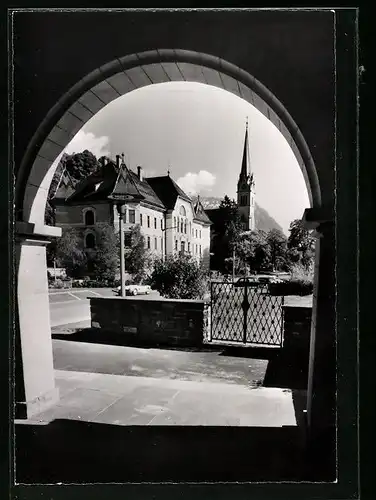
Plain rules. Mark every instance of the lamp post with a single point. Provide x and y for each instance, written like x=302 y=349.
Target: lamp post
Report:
x=121 y=211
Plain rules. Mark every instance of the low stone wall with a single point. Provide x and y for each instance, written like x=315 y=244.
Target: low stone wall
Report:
x=153 y=322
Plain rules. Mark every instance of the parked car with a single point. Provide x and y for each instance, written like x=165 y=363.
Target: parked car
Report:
x=269 y=279
x=247 y=280
x=134 y=290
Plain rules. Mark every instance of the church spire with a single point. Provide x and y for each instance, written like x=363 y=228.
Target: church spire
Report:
x=246 y=164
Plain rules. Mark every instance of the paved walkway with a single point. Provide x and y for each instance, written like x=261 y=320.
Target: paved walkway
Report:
x=124 y=400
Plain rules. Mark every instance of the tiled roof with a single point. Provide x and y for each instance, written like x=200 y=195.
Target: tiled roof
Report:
x=167 y=190
x=200 y=213
x=107 y=181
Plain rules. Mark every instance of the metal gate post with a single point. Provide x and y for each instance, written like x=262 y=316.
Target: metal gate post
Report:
x=245 y=311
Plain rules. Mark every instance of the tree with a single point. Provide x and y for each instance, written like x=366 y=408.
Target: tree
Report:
x=277 y=242
x=179 y=277
x=137 y=257
x=105 y=259
x=227 y=232
x=301 y=244
x=69 y=253
x=81 y=165
x=253 y=249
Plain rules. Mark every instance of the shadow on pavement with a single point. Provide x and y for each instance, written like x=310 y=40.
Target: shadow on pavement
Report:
x=82 y=452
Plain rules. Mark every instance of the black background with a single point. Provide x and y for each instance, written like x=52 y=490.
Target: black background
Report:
x=348 y=201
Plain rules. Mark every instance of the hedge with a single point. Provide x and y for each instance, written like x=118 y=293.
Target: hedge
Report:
x=292 y=287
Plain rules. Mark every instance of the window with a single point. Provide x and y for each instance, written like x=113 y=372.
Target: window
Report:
x=185 y=227
x=155 y=223
x=196 y=233
x=193 y=232
x=176 y=244
x=132 y=216
x=161 y=223
x=140 y=219
x=189 y=247
x=148 y=221
x=182 y=247
x=90 y=240
x=182 y=211
x=149 y=242
x=155 y=243
x=181 y=226
x=200 y=249
x=200 y=233
x=89 y=218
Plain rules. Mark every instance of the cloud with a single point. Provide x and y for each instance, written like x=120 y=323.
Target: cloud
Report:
x=87 y=140
x=194 y=183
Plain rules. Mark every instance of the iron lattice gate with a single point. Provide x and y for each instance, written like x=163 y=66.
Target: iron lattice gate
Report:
x=246 y=314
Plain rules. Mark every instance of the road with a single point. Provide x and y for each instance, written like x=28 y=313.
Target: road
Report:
x=73 y=306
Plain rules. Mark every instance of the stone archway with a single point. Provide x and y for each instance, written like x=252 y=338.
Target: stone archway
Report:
x=69 y=114
x=121 y=76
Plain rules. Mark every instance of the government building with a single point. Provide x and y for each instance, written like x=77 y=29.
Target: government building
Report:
x=168 y=219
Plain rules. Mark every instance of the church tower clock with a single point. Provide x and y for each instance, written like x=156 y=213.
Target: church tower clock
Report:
x=246 y=189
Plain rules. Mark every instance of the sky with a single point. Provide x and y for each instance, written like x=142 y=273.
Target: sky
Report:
x=197 y=132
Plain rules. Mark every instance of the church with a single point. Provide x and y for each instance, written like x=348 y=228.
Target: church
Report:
x=168 y=218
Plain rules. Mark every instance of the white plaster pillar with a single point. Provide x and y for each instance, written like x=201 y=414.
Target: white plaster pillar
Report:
x=35 y=380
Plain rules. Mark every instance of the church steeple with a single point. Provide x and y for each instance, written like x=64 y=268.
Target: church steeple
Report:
x=246 y=186
x=246 y=164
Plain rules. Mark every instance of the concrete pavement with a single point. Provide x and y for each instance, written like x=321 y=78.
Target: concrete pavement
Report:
x=73 y=306
x=122 y=385
x=125 y=400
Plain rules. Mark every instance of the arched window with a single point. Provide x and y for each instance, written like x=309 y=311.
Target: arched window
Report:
x=89 y=218
x=183 y=211
x=90 y=240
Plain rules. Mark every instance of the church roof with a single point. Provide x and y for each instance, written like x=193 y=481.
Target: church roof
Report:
x=167 y=190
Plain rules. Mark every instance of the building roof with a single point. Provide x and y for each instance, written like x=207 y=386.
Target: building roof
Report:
x=200 y=213
x=110 y=182
x=167 y=190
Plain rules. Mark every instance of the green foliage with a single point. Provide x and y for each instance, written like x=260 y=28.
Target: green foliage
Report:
x=81 y=165
x=277 y=242
x=227 y=232
x=69 y=253
x=179 y=277
x=105 y=259
x=137 y=257
x=301 y=244
x=253 y=249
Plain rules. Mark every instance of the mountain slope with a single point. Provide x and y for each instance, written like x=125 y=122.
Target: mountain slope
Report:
x=263 y=220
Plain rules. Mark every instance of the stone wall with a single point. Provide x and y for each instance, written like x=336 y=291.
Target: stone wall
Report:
x=297 y=330
x=152 y=322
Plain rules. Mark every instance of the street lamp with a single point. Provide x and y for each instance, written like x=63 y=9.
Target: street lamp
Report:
x=121 y=211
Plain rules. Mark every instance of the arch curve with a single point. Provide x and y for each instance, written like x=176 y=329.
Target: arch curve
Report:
x=128 y=73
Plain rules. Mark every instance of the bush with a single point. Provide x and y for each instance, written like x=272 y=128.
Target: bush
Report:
x=179 y=277
x=292 y=287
